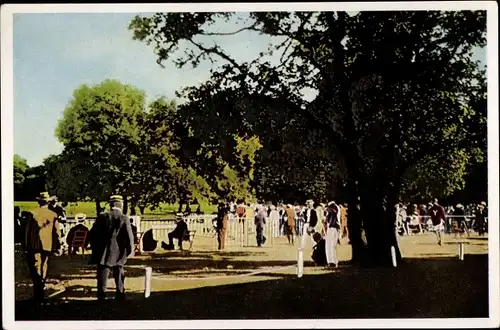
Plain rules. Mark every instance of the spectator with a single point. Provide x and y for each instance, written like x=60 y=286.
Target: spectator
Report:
x=179 y=233
x=438 y=217
x=112 y=243
x=480 y=220
x=290 y=224
x=71 y=234
x=40 y=242
x=260 y=221
x=332 y=234
x=222 y=226
x=414 y=221
x=344 y=229
x=274 y=220
x=458 y=220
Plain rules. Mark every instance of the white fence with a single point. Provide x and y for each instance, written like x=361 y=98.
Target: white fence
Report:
x=241 y=231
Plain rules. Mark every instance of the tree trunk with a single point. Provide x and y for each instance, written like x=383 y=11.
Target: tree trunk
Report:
x=133 y=205
x=142 y=208
x=379 y=222
x=98 y=208
x=354 y=224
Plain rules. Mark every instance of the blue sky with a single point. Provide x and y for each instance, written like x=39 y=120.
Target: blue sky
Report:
x=56 y=53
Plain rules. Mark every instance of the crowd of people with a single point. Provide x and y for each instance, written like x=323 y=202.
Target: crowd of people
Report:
x=113 y=236
x=457 y=220
x=325 y=224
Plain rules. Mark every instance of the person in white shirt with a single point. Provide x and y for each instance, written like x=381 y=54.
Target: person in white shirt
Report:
x=332 y=234
x=274 y=220
x=311 y=219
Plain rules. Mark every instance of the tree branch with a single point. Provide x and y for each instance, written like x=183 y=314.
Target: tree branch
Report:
x=247 y=28
x=215 y=50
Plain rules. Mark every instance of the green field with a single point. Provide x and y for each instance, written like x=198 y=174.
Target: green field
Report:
x=89 y=208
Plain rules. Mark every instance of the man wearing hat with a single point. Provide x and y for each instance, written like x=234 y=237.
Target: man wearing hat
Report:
x=112 y=243
x=41 y=240
x=180 y=230
x=80 y=227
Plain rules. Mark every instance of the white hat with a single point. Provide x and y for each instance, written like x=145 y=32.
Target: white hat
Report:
x=331 y=203
x=483 y=203
x=460 y=206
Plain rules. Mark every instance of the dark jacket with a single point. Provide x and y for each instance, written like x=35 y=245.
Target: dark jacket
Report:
x=437 y=214
x=332 y=217
x=313 y=218
x=111 y=239
x=72 y=231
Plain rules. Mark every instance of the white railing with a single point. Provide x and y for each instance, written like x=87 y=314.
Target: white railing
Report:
x=241 y=231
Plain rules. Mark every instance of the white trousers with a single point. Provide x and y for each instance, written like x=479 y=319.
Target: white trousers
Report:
x=304 y=235
x=331 y=239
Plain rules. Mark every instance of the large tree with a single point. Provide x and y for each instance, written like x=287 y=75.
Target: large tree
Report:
x=391 y=89
x=100 y=131
x=162 y=176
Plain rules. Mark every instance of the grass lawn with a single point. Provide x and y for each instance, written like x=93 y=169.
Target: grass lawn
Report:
x=89 y=208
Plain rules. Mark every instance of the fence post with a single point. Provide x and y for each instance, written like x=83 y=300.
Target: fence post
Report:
x=300 y=263
x=147 y=282
x=393 y=255
x=245 y=228
x=461 y=251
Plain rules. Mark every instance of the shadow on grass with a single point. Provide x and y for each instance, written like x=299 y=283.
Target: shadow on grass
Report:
x=419 y=288
x=174 y=262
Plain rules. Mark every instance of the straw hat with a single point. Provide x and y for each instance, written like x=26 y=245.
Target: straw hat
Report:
x=459 y=206
x=116 y=198
x=483 y=203
x=44 y=196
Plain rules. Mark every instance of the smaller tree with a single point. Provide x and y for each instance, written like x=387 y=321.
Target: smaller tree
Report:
x=20 y=167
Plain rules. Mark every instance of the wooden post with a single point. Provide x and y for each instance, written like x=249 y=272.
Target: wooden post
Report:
x=147 y=282
x=461 y=251
x=300 y=263
x=393 y=255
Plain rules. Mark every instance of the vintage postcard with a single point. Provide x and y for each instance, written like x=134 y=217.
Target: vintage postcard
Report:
x=250 y=165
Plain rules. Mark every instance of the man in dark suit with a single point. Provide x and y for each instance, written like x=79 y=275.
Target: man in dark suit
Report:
x=40 y=241
x=179 y=232
x=112 y=243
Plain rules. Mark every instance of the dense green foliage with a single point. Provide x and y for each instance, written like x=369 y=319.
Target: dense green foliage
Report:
x=395 y=104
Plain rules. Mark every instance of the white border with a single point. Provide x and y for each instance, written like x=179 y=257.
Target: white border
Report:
x=7 y=12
